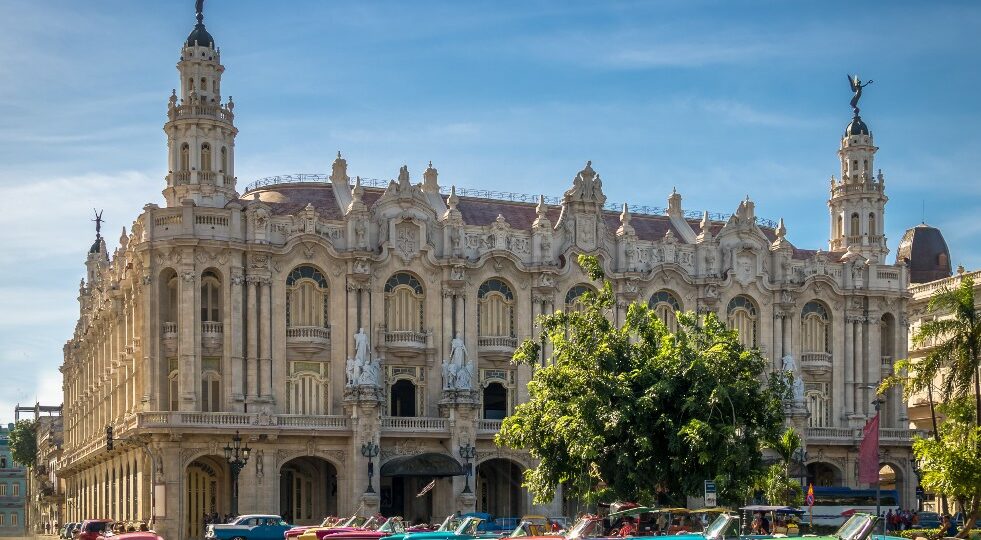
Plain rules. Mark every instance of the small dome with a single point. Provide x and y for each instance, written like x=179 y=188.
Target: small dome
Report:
x=201 y=36
x=856 y=127
x=925 y=252
x=96 y=246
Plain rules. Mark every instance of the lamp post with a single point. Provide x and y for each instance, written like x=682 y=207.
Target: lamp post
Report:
x=877 y=403
x=237 y=456
x=370 y=450
x=467 y=452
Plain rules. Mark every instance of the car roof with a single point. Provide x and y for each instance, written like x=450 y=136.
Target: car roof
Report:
x=264 y=516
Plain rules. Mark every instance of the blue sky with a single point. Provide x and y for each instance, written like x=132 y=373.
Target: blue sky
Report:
x=719 y=98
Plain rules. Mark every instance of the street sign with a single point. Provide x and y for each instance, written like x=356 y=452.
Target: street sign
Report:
x=711 y=498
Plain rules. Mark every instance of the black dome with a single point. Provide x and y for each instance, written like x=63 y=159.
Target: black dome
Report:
x=924 y=250
x=856 y=127
x=201 y=36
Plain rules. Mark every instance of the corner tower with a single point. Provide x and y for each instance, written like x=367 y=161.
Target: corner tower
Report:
x=200 y=130
x=858 y=200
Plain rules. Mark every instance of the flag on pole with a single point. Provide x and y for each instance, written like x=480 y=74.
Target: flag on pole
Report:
x=427 y=489
x=810 y=495
x=868 y=452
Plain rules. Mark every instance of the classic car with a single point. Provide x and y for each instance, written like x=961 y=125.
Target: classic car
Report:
x=393 y=525
x=249 y=527
x=138 y=535
x=727 y=527
x=328 y=522
x=92 y=529
x=466 y=530
x=352 y=524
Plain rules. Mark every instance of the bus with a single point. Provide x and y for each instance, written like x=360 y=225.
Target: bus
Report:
x=833 y=505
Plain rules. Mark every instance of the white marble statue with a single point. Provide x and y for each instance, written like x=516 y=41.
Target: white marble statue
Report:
x=463 y=379
x=449 y=375
x=350 y=370
x=790 y=366
x=361 y=347
x=458 y=351
x=370 y=371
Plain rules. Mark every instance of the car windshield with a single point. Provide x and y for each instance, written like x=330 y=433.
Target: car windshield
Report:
x=856 y=528
x=586 y=528
x=96 y=526
x=717 y=529
x=468 y=527
x=450 y=523
x=392 y=525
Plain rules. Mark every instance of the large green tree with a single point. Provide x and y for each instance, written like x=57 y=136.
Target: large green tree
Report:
x=634 y=411
x=23 y=442
x=776 y=483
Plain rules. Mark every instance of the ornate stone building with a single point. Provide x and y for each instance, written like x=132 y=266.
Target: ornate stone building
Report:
x=319 y=316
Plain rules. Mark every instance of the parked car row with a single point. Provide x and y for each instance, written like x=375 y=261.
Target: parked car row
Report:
x=99 y=529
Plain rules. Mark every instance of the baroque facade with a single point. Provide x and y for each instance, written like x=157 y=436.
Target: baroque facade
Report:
x=319 y=316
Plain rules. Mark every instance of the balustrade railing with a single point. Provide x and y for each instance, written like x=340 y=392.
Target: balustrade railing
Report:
x=206 y=177
x=830 y=433
x=404 y=337
x=414 y=423
x=190 y=109
x=497 y=341
x=168 y=219
x=181 y=177
x=210 y=219
x=814 y=360
x=211 y=327
x=323 y=421
x=308 y=332
x=489 y=426
x=169 y=328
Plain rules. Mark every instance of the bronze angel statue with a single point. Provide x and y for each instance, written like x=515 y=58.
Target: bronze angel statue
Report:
x=856 y=85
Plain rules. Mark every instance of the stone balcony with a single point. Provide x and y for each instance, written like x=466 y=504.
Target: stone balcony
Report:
x=168 y=338
x=488 y=428
x=853 y=436
x=816 y=363
x=497 y=346
x=212 y=336
x=405 y=342
x=886 y=365
x=308 y=339
x=415 y=425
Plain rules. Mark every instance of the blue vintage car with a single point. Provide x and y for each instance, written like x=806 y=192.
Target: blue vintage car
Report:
x=468 y=529
x=249 y=527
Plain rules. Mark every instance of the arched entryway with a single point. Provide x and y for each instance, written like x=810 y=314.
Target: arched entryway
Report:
x=403 y=399
x=499 y=490
x=891 y=478
x=410 y=483
x=824 y=474
x=207 y=493
x=307 y=490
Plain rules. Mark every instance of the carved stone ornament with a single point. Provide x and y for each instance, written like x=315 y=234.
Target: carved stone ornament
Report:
x=188 y=276
x=586 y=232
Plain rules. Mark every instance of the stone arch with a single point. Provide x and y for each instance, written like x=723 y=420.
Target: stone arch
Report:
x=207 y=491
x=308 y=489
x=498 y=487
x=825 y=474
x=892 y=476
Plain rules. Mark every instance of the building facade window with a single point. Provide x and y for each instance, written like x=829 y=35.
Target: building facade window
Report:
x=402 y=398
x=210 y=384
x=403 y=303
x=742 y=317
x=495 y=313
x=815 y=329
x=855 y=231
x=224 y=160
x=665 y=305
x=495 y=401
x=573 y=298
x=205 y=157
x=306 y=298
x=185 y=164
x=15 y=490
x=871 y=224
x=210 y=297
x=818 y=404
x=173 y=385
x=307 y=388
x=3 y=489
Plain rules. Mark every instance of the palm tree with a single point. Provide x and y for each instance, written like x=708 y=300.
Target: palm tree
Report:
x=956 y=355
x=776 y=482
x=785 y=447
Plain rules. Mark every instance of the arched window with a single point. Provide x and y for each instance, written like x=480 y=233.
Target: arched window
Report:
x=210 y=386
x=871 y=224
x=204 y=84
x=742 y=317
x=403 y=303
x=210 y=297
x=665 y=306
x=887 y=336
x=495 y=313
x=815 y=329
x=185 y=157
x=495 y=401
x=169 y=306
x=403 y=399
x=820 y=408
x=190 y=84
x=855 y=230
x=307 y=388
x=173 y=385
x=224 y=160
x=205 y=157
x=306 y=298
x=839 y=223
x=573 y=300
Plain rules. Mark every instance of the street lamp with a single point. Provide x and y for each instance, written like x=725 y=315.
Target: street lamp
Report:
x=467 y=452
x=370 y=450
x=877 y=403
x=237 y=456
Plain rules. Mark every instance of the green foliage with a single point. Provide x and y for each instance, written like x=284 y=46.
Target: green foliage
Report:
x=23 y=442
x=628 y=412
x=913 y=534
x=776 y=483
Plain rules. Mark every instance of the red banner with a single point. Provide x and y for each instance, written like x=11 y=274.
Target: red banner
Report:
x=868 y=452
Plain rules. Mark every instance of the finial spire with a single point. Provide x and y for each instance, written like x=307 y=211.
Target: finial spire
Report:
x=199 y=10
x=98 y=222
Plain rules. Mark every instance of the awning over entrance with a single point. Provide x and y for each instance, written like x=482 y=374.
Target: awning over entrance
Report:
x=428 y=464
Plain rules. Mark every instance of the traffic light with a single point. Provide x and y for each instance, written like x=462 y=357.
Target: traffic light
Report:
x=109 y=438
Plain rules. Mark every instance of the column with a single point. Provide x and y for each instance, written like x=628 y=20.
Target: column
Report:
x=778 y=349
x=233 y=336
x=252 y=337
x=861 y=363
x=187 y=331
x=874 y=372
x=265 y=336
x=448 y=323
x=849 y=366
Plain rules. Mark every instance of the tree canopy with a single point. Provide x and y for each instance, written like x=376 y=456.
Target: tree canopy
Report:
x=637 y=411
x=23 y=442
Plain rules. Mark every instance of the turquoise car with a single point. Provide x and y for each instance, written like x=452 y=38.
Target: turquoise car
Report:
x=726 y=527
x=466 y=530
x=249 y=527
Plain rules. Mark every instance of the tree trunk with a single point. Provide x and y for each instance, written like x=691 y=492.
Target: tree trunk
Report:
x=970 y=518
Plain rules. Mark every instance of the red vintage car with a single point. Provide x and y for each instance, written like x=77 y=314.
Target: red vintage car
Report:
x=392 y=525
x=355 y=523
x=298 y=530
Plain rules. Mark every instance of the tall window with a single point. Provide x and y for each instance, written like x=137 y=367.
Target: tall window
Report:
x=210 y=297
x=887 y=335
x=210 y=384
x=742 y=317
x=495 y=401
x=15 y=490
x=855 y=226
x=3 y=489
x=403 y=303
x=665 y=306
x=307 y=388
x=818 y=405
x=573 y=300
x=185 y=157
x=224 y=160
x=306 y=298
x=839 y=226
x=205 y=157
x=173 y=385
x=403 y=399
x=495 y=314
x=815 y=328
x=871 y=224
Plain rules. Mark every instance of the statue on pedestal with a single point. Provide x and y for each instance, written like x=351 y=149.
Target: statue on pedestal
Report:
x=457 y=374
x=797 y=382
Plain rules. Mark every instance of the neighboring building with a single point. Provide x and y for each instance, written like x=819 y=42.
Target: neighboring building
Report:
x=925 y=252
x=221 y=314
x=13 y=489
